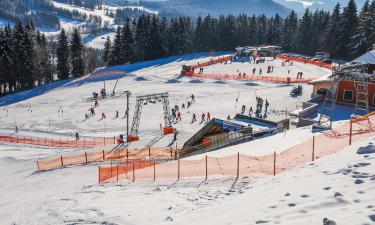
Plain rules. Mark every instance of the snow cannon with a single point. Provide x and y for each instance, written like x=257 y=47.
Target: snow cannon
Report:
x=168 y=130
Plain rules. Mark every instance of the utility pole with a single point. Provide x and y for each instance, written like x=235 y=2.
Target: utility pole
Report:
x=128 y=93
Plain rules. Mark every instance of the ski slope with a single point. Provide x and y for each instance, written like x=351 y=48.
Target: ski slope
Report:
x=340 y=186
x=215 y=96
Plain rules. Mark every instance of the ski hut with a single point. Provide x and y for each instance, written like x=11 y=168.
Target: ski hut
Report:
x=352 y=84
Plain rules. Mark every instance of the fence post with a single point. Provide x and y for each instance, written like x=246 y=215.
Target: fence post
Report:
x=62 y=161
x=37 y=163
x=154 y=172
x=117 y=172
x=104 y=141
x=178 y=169
x=76 y=143
x=86 y=157
x=313 y=149
x=111 y=169
x=274 y=163
x=99 y=175
x=206 y=168
x=103 y=156
x=149 y=152
x=171 y=151
x=238 y=165
x=127 y=155
x=133 y=172
x=350 y=132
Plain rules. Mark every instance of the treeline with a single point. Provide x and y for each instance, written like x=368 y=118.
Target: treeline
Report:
x=37 y=11
x=344 y=33
x=90 y=4
x=28 y=59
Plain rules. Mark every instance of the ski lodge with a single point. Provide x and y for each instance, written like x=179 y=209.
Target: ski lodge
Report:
x=352 y=84
x=263 y=50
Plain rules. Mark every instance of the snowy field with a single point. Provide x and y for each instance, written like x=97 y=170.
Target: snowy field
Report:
x=279 y=71
x=340 y=186
x=214 y=96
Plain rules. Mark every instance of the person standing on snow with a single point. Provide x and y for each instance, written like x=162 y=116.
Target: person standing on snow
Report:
x=208 y=116
x=194 y=119
x=266 y=106
x=203 y=117
x=192 y=98
x=77 y=136
x=103 y=116
x=251 y=111
x=179 y=116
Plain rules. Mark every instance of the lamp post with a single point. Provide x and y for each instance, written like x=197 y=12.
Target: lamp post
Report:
x=128 y=93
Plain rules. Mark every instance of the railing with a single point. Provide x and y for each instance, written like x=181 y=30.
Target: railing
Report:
x=312 y=62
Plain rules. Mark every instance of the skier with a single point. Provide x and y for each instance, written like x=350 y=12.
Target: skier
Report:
x=175 y=132
x=254 y=70
x=116 y=114
x=96 y=103
x=266 y=106
x=92 y=111
x=251 y=111
x=243 y=109
x=188 y=104
x=203 y=117
x=179 y=116
x=228 y=117
x=260 y=71
x=194 y=118
x=192 y=98
x=16 y=129
x=103 y=116
x=183 y=106
x=77 y=136
x=86 y=116
x=208 y=116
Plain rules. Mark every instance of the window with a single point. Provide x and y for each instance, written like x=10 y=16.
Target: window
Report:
x=348 y=95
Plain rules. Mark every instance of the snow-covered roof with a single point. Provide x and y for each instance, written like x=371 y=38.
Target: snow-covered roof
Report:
x=322 y=79
x=368 y=57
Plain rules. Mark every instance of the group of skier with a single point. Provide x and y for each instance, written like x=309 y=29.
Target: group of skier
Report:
x=258 y=108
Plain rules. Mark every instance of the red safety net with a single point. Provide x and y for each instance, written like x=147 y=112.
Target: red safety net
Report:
x=212 y=62
x=107 y=155
x=308 y=61
x=236 y=165
x=274 y=79
x=61 y=142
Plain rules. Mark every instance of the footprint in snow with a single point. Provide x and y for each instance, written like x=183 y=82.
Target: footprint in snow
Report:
x=327 y=188
x=291 y=204
x=358 y=181
x=305 y=196
x=261 y=221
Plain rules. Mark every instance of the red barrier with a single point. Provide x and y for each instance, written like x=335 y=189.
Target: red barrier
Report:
x=248 y=77
x=212 y=62
x=312 y=62
x=85 y=143
x=236 y=165
x=110 y=155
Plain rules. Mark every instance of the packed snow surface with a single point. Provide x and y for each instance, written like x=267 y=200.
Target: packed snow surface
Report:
x=339 y=187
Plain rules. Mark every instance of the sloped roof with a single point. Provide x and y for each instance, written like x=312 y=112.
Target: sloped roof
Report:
x=368 y=57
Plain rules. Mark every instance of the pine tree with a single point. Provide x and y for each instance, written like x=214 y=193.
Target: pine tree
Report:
x=332 y=32
x=347 y=29
x=304 y=36
x=63 y=56
x=127 y=44
x=363 y=39
x=107 y=50
x=289 y=32
x=116 y=49
x=155 y=42
x=76 y=49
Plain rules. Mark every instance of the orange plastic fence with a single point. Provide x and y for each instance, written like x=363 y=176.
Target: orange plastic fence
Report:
x=66 y=143
x=248 y=77
x=106 y=155
x=212 y=62
x=236 y=165
x=316 y=63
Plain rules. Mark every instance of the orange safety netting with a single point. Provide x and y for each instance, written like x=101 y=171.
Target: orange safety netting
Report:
x=274 y=79
x=106 y=155
x=212 y=62
x=65 y=143
x=308 y=61
x=236 y=165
